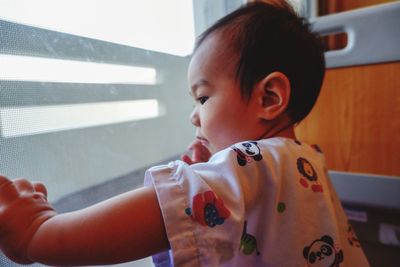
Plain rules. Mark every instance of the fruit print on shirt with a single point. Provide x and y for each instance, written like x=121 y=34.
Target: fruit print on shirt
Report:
x=208 y=210
x=248 y=243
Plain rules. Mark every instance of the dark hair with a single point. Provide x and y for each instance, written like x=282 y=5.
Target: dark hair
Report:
x=268 y=37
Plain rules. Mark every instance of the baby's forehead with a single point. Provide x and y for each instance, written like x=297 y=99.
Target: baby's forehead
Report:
x=219 y=50
x=228 y=40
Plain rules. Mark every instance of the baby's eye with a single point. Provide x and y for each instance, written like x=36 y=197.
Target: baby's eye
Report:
x=202 y=99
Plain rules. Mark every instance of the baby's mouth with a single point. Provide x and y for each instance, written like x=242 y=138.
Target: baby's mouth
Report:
x=203 y=141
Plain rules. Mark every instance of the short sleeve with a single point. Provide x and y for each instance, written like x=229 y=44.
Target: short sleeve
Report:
x=203 y=207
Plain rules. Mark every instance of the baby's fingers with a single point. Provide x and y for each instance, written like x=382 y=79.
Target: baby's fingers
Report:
x=8 y=190
x=26 y=186
x=4 y=181
x=201 y=153
x=40 y=188
x=23 y=185
x=187 y=159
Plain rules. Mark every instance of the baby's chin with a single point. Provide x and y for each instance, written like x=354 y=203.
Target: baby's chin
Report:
x=210 y=147
x=216 y=149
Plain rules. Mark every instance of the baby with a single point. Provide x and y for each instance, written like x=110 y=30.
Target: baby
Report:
x=251 y=194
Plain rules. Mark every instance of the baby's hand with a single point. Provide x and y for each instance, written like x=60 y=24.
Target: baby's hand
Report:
x=23 y=209
x=199 y=153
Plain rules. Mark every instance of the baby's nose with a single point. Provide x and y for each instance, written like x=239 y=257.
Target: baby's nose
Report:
x=194 y=118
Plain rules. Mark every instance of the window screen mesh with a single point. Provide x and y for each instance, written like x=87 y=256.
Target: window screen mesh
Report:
x=87 y=140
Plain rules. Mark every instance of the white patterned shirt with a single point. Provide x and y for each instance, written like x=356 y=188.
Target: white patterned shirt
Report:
x=258 y=203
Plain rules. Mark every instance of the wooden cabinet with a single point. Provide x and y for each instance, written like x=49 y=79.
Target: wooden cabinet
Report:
x=356 y=120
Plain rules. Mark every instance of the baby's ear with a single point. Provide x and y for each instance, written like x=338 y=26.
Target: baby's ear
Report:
x=273 y=94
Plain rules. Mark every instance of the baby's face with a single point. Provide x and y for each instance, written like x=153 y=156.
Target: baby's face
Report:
x=221 y=115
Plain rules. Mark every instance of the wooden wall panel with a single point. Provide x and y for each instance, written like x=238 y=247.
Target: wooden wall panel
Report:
x=356 y=120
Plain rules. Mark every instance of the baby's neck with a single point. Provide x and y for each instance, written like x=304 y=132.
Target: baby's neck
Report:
x=287 y=132
x=281 y=128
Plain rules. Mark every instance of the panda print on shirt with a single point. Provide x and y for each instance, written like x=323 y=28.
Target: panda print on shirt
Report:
x=323 y=253
x=247 y=152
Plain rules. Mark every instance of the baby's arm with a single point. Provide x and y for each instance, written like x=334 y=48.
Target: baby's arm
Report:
x=124 y=228
x=199 y=153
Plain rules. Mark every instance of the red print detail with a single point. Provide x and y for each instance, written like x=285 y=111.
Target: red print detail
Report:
x=303 y=182
x=208 y=209
x=317 y=188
